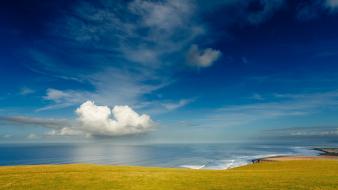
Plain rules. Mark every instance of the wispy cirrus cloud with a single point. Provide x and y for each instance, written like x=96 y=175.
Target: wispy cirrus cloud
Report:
x=331 y=4
x=6 y=136
x=178 y=104
x=147 y=39
x=144 y=32
x=133 y=49
x=284 y=105
x=50 y=123
x=32 y=136
x=138 y=44
x=63 y=98
x=259 y=11
x=313 y=9
x=202 y=57
x=111 y=87
x=26 y=91
x=304 y=131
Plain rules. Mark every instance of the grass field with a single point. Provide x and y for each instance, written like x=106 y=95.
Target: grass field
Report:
x=293 y=175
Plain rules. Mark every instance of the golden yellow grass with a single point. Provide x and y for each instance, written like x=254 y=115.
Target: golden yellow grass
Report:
x=293 y=175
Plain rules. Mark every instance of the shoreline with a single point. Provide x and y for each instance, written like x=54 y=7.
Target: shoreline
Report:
x=325 y=154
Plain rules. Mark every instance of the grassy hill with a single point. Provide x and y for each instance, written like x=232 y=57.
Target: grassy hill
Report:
x=307 y=174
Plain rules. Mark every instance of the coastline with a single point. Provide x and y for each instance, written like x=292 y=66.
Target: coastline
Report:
x=325 y=154
x=328 y=151
x=221 y=163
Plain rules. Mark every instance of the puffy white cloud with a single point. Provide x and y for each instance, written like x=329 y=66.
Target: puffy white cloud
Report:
x=121 y=120
x=202 y=58
x=92 y=120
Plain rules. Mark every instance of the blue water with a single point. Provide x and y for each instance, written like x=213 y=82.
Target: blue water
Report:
x=196 y=156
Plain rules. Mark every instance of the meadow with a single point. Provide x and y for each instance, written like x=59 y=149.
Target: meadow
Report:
x=295 y=175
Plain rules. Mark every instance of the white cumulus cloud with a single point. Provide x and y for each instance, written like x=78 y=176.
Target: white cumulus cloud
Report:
x=101 y=120
x=91 y=120
x=202 y=58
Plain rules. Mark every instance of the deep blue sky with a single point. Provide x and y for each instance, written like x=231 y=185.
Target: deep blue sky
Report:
x=220 y=70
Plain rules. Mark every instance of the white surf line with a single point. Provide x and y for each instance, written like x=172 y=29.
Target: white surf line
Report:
x=194 y=167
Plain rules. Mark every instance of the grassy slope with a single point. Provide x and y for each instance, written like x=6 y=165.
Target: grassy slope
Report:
x=293 y=175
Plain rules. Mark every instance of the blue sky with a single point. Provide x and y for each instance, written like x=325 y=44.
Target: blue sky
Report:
x=225 y=70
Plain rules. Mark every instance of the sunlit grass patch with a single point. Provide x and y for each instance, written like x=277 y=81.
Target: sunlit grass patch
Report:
x=307 y=174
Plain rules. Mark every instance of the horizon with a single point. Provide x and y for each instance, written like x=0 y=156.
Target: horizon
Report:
x=169 y=71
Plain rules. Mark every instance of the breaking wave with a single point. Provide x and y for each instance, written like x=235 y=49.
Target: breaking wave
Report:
x=245 y=160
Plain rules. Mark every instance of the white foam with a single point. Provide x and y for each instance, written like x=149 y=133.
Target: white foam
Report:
x=245 y=160
x=218 y=165
x=228 y=164
x=195 y=167
x=305 y=151
x=250 y=158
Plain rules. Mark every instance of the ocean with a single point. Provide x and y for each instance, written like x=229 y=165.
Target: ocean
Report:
x=194 y=156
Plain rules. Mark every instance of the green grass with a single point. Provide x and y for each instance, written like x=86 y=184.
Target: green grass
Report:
x=293 y=175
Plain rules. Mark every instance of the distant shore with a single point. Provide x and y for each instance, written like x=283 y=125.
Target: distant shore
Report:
x=326 y=154
x=328 y=151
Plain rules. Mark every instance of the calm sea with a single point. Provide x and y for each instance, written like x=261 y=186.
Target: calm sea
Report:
x=196 y=156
